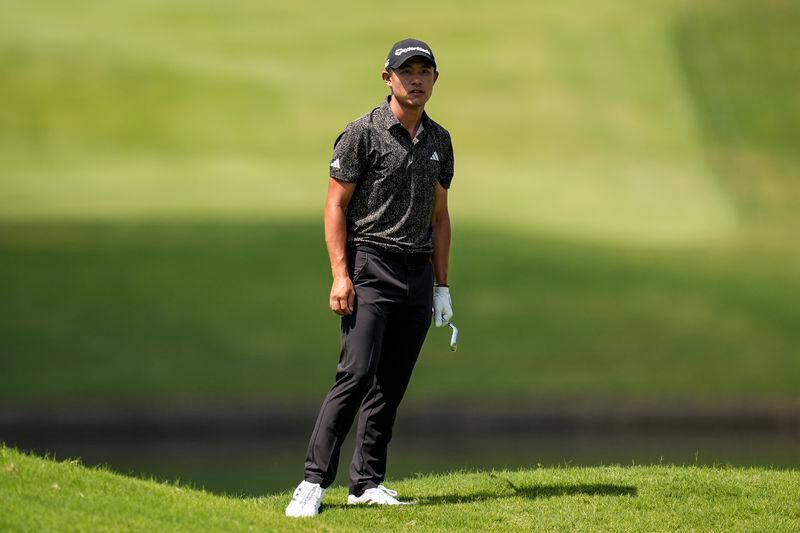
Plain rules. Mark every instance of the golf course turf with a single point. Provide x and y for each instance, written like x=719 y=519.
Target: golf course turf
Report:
x=41 y=494
x=625 y=210
x=623 y=205
x=182 y=310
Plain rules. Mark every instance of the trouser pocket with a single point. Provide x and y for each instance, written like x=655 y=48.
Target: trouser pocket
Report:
x=357 y=262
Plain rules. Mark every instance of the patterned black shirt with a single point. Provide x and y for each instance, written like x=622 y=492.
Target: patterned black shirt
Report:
x=392 y=205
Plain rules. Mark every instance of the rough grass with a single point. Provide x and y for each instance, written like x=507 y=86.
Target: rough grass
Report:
x=40 y=494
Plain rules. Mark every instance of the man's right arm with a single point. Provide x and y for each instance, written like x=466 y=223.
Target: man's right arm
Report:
x=342 y=296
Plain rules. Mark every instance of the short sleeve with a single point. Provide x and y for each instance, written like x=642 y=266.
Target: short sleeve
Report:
x=446 y=173
x=349 y=154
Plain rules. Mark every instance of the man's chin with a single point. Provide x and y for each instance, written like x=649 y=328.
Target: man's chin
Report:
x=415 y=100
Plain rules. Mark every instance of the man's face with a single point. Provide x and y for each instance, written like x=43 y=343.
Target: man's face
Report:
x=412 y=82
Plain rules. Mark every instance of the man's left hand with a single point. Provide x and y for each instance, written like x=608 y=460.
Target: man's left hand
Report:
x=442 y=306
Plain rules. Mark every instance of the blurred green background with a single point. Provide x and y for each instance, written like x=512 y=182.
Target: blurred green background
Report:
x=625 y=206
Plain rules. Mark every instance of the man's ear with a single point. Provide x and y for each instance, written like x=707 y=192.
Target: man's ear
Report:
x=435 y=76
x=387 y=77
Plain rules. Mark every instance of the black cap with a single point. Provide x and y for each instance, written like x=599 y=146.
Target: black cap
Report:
x=406 y=49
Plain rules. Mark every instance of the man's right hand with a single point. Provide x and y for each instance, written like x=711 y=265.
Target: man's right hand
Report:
x=343 y=296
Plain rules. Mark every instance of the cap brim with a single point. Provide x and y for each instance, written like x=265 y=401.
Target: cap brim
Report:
x=400 y=61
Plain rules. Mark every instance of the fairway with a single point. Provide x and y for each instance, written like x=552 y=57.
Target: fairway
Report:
x=623 y=206
x=46 y=495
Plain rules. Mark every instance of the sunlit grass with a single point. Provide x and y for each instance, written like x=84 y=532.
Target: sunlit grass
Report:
x=48 y=495
x=576 y=121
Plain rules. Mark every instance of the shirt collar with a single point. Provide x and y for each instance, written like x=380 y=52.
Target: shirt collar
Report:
x=388 y=119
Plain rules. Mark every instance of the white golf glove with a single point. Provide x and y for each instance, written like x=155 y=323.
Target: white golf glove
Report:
x=442 y=306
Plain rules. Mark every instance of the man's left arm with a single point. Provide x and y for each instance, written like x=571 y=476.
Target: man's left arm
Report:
x=442 y=304
x=441 y=236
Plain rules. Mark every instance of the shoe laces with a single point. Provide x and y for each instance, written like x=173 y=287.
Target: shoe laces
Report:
x=305 y=494
x=383 y=495
x=390 y=492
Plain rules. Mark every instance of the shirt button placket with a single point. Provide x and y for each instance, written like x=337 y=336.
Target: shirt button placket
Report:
x=411 y=155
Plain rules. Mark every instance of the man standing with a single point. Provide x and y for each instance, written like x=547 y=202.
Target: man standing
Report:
x=387 y=230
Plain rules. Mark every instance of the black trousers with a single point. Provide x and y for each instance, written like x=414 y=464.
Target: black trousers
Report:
x=381 y=341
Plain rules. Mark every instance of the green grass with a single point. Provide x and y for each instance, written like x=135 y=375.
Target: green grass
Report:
x=612 y=122
x=239 y=311
x=567 y=118
x=747 y=99
x=254 y=468
x=40 y=494
x=624 y=205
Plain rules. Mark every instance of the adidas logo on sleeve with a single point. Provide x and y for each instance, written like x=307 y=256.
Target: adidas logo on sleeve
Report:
x=435 y=157
x=335 y=163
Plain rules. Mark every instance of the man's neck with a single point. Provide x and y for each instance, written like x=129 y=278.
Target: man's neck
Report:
x=409 y=117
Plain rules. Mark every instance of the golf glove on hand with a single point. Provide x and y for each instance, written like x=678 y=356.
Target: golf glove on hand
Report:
x=442 y=306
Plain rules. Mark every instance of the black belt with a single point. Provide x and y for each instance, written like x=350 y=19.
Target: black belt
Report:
x=406 y=258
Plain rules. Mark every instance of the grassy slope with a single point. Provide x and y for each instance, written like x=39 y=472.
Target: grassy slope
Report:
x=747 y=102
x=41 y=494
x=596 y=122
x=579 y=113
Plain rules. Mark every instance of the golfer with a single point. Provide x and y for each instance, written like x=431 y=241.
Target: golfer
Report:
x=387 y=229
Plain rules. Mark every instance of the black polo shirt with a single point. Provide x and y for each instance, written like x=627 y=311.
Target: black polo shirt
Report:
x=396 y=178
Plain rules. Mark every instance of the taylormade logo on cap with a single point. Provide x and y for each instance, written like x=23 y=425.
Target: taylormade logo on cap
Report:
x=404 y=50
x=401 y=51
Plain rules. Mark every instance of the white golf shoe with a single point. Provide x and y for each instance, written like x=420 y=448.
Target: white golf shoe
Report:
x=306 y=500
x=379 y=495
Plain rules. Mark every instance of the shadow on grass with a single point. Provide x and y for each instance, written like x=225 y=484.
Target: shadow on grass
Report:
x=177 y=310
x=533 y=492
